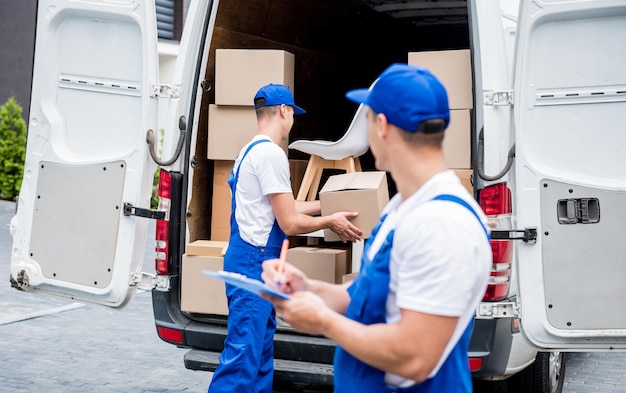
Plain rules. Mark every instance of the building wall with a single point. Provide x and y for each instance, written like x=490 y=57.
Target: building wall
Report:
x=17 y=45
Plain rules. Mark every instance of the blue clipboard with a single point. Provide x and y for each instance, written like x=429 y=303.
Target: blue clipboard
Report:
x=246 y=283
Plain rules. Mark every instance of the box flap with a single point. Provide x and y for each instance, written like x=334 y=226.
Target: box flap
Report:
x=354 y=181
x=210 y=248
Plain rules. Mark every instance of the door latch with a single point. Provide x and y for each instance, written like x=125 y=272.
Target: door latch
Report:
x=528 y=235
x=130 y=210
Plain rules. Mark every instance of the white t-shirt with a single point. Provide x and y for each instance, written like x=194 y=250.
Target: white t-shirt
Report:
x=264 y=171
x=440 y=259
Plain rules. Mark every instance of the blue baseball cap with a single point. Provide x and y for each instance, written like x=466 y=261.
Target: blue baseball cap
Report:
x=275 y=94
x=406 y=95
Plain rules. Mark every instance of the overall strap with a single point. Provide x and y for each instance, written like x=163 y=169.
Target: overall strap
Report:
x=246 y=153
x=456 y=199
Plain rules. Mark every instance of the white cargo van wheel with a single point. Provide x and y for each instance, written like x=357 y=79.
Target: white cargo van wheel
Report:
x=545 y=375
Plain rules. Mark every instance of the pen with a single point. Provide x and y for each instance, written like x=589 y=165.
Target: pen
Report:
x=283 y=256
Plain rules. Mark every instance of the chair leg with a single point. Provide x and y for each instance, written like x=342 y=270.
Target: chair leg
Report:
x=309 y=174
x=319 y=164
x=314 y=170
x=315 y=184
x=349 y=164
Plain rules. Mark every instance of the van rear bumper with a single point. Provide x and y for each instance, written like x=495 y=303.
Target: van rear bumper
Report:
x=209 y=336
x=284 y=370
x=491 y=342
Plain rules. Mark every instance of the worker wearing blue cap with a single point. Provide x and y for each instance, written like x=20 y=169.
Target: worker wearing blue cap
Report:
x=404 y=323
x=263 y=213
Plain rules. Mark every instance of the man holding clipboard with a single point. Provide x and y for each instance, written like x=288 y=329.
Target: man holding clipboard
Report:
x=264 y=212
x=404 y=323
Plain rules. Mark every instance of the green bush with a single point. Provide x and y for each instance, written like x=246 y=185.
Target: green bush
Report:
x=12 y=149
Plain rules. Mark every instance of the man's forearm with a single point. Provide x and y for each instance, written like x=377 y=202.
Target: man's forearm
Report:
x=335 y=296
x=310 y=208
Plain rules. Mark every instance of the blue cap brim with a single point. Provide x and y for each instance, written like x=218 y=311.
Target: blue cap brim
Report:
x=359 y=95
x=298 y=111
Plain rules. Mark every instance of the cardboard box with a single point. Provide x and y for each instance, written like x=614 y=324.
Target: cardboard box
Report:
x=466 y=179
x=221 y=203
x=363 y=192
x=230 y=129
x=348 y=277
x=454 y=69
x=296 y=170
x=324 y=264
x=240 y=73
x=208 y=248
x=457 y=142
x=200 y=293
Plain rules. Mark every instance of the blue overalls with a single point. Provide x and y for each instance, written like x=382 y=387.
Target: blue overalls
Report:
x=247 y=361
x=368 y=295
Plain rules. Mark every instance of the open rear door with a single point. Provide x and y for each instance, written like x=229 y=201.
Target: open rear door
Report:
x=570 y=120
x=95 y=67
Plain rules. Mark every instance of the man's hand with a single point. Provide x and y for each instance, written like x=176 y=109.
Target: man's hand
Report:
x=341 y=225
x=290 y=280
x=305 y=312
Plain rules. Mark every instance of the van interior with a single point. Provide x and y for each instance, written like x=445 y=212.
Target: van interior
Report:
x=338 y=45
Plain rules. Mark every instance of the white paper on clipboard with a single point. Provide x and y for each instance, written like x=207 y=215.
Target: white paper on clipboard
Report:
x=246 y=283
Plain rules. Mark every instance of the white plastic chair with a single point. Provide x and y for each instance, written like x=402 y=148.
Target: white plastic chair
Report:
x=342 y=154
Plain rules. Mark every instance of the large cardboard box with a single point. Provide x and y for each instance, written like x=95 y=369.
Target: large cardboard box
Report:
x=348 y=277
x=454 y=69
x=466 y=179
x=230 y=129
x=239 y=73
x=296 y=170
x=363 y=192
x=208 y=248
x=199 y=292
x=221 y=203
x=457 y=142
x=324 y=264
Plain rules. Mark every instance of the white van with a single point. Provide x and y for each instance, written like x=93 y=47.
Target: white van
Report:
x=549 y=107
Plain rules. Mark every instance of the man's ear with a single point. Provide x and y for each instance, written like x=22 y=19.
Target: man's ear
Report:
x=382 y=126
x=283 y=110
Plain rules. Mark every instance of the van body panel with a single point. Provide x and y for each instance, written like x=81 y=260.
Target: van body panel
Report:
x=492 y=47
x=570 y=170
x=95 y=64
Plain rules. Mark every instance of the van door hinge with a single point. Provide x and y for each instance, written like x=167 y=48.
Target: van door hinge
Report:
x=528 y=235
x=498 y=97
x=130 y=210
x=497 y=310
x=147 y=281
x=164 y=91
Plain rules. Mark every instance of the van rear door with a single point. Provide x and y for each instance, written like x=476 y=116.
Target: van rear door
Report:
x=95 y=69
x=570 y=171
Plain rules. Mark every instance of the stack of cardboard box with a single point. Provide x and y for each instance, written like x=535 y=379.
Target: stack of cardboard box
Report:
x=231 y=124
x=239 y=73
x=200 y=293
x=454 y=70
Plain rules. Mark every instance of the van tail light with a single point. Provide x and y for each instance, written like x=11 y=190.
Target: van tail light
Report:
x=495 y=200
x=475 y=364
x=163 y=226
x=171 y=335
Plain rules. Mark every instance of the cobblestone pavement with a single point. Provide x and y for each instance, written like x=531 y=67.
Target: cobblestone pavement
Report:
x=54 y=345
